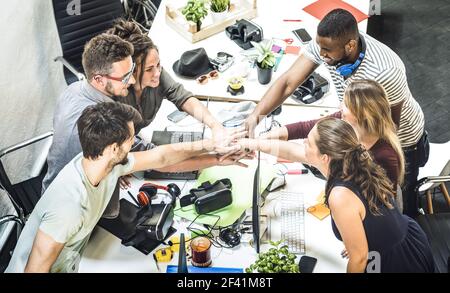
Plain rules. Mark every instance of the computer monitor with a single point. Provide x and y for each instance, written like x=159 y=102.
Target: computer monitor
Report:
x=256 y=201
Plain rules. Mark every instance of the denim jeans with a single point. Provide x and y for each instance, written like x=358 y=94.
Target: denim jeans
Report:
x=416 y=156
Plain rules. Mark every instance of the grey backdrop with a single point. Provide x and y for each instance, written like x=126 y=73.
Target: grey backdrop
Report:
x=29 y=79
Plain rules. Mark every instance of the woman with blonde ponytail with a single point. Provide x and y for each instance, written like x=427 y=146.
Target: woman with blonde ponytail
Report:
x=367 y=109
x=376 y=236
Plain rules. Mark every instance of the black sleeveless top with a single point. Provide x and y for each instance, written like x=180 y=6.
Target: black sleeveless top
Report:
x=399 y=240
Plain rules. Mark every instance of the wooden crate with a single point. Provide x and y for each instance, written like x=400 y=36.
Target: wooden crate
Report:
x=238 y=9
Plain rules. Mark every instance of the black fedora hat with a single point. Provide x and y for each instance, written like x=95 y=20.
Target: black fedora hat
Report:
x=193 y=63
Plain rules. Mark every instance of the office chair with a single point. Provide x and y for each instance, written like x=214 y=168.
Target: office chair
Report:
x=23 y=195
x=142 y=12
x=438 y=165
x=74 y=30
x=436 y=225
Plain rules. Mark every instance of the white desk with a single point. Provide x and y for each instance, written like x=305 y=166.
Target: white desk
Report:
x=270 y=16
x=105 y=253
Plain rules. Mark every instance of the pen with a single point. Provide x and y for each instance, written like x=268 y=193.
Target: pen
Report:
x=132 y=197
x=292 y=20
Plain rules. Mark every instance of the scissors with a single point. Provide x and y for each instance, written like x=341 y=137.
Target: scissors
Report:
x=288 y=41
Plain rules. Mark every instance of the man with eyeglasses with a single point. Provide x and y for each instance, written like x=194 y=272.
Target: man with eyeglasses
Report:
x=109 y=71
x=108 y=67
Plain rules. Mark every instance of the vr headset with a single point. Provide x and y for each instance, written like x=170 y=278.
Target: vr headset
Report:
x=311 y=90
x=209 y=197
x=244 y=31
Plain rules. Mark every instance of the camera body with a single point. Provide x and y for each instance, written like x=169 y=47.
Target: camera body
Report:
x=223 y=61
x=311 y=90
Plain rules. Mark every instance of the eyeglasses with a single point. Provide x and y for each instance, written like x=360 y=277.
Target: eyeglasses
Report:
x=203 y=79
x=126 y=78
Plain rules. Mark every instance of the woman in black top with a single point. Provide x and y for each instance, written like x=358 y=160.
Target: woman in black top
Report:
x=376 y=236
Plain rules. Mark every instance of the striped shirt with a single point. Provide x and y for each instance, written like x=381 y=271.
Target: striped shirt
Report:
x=384 y=66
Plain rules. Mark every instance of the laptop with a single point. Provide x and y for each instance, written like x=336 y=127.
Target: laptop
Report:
x=169 y=137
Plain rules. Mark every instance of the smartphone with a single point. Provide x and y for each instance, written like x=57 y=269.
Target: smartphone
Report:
x=307 y=264
x=176 y=116
x=302 y=35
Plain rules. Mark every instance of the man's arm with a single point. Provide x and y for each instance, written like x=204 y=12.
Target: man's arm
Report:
x=200 y=162
x=283 y=87
x=171 y=154
x=43 y=254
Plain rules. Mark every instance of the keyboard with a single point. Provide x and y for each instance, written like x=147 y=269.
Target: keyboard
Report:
x=179 y=136
x=293 y=221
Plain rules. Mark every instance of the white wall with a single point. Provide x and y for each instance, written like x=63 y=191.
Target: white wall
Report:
x=29 y=79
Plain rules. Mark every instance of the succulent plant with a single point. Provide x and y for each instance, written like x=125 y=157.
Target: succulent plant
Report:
x=263 y=54
x=219 y=5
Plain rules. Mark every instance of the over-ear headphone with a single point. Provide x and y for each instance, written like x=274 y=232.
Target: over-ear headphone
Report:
x=347 y=69
x=149 y=190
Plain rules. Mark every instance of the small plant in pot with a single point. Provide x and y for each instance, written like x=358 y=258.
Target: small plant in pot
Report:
x=265 y=60
x=219 y=9
x=195 y=11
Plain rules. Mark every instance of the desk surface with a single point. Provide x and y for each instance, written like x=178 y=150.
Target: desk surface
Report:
x=105 y=253
x=270 y=16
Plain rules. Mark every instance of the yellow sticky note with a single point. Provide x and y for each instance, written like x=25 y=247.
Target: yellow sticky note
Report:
x=319 y=211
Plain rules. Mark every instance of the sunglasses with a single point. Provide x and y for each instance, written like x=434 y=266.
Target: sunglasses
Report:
x=203 y=79
x=126 y=78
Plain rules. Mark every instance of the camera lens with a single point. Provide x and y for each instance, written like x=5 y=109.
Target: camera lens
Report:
x=221 y=57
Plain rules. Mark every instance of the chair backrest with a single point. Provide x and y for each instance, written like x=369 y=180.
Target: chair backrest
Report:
x=438 y=163
x=25 y=194
x=76 y=26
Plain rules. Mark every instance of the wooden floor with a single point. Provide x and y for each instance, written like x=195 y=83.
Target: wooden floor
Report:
x=419 y=31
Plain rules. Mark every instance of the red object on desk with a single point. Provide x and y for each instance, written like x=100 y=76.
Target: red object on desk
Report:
x=297 y=172
x=321 y=8
x=294 y=50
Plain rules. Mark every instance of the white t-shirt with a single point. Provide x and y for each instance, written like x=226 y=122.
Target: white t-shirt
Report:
x=68 y=212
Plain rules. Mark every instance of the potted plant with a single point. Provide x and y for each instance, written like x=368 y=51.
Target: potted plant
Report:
x=195 y=11
x=219 y=9
x=277 y=260
x=265 y=60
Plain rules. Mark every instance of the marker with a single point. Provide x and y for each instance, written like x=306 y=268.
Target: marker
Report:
x=297 y=172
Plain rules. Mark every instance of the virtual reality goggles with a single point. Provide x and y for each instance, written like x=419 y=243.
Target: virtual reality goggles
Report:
x=209 y=197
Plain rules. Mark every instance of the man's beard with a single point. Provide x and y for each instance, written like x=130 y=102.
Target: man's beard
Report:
x=122 y=161
x=110 y=90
